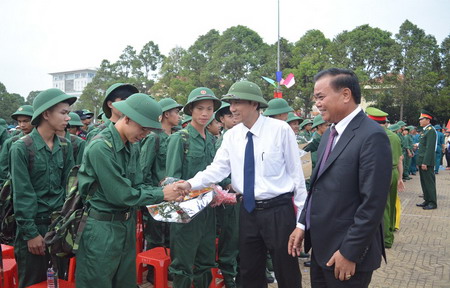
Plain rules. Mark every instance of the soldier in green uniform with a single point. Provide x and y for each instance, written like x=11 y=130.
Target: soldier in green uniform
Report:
x=305 y=131
x=227 y=215
x=426 y=160
x=190 y=150
x=107 y=253
x=312 y=146
x=39 y=168
x=278 y=108
x=294 y=121
x=389 y=217
x=3 y=131
x=78 y=144
x=214 y=127
x=440 y=148
x=407 y=152
x=23 y=117
x=115 y=93
x=153 y=164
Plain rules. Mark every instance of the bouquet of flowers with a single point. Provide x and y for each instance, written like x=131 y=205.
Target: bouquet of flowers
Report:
x=192 y=204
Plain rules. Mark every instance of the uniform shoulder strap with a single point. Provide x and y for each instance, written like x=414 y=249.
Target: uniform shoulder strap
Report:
x=31 y=154
x=73 y=140
x=185 y=139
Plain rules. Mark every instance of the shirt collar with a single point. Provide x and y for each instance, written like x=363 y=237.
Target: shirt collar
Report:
x=192 y=131
x=39 y=142
x=256 y=128
x=341 y=125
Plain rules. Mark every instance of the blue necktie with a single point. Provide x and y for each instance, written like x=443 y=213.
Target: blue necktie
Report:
x=249 y=175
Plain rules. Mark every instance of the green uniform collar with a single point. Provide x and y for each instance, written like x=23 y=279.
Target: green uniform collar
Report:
x=116 y=139
x=39 y=142
x=192 y=131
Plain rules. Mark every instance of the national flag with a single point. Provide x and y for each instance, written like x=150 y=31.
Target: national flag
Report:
x=270 y=81
x=289 y=81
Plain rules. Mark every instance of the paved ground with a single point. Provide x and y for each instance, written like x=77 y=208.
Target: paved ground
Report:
x=420 y=256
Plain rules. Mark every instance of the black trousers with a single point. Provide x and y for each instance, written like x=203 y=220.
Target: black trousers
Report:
x=262 y=231
x=324 y=278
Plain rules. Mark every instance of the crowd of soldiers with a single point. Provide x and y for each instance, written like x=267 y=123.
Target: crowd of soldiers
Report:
x=140 y=142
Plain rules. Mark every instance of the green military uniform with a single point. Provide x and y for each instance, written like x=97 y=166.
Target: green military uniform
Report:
x=78 y=144
x=106 y=255
x=390 y=211
x=153 y=163
x=3 y=132
x=304 y=136
x=192 y=245
x=408 y=142
x=315 y=141
x=39 y=188
x=426 y=156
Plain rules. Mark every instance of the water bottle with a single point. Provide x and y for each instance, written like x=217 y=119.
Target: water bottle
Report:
x=52 y=278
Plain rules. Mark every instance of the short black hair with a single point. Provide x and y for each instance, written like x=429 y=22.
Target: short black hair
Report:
x=342 y=78
x=122 y=93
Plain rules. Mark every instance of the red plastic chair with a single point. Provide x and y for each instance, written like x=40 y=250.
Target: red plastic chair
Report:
x=159 y=258
x=217 y=277
x=10 y=274
x=71 y=272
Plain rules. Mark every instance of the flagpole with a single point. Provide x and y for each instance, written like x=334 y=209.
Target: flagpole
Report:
x=278 y=52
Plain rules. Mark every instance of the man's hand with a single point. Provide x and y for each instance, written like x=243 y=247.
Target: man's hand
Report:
x=424 y=167
x=400 y=185
x=36 y=245
x=343 y=269
x=295 y=242
x=172 y=192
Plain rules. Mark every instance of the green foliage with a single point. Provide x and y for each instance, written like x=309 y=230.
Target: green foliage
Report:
x=31 y=96
x=9 y=102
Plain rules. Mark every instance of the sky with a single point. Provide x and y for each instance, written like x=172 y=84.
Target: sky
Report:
x=38 y=37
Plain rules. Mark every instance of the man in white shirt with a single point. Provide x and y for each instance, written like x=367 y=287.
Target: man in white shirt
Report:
x=268 y=180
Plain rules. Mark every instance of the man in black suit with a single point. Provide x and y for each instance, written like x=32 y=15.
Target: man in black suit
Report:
x=342 y=216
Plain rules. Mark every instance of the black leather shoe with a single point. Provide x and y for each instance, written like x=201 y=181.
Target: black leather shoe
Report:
x=422 y=204
x=429 y=207
x=307 y=264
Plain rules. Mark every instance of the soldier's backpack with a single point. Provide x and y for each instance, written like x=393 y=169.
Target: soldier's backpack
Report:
x=64 y=233
x=7 y=219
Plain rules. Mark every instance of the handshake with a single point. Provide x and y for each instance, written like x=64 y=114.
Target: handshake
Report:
x=176 y=191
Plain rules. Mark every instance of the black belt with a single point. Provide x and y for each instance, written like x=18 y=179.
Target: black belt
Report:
x=104 y=216
x=276 y=201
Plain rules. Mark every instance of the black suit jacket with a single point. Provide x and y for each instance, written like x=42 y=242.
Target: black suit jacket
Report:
x=349 y=197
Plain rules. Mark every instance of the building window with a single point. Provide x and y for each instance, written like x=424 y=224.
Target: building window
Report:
x=77 y=75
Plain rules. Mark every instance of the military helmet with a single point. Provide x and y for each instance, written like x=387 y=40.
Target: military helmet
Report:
x=401 y=123
x=437 y=127
x=117 y=90
x=277 y=106
x=168 y=104
x=305 y=122
x=292 y=117
x=24 y=110
x=75 y=120
x=47 y=99
x=199 y=94
x=142 y=109
x=245 y=90
x=222 y=110
x=186 y=119
x=318 y=120
x=394 y=127
x=100 y=114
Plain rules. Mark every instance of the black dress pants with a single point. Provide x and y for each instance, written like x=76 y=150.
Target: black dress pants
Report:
x=267 y=230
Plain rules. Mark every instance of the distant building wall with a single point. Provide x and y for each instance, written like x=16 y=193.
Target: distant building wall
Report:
x=73 y=82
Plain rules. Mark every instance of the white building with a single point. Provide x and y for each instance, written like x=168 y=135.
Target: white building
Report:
x=73 y=82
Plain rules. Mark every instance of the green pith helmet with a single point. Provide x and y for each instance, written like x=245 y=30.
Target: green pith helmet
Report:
x=245 y=90
x=394 y=127
x=117 y=90
x=411 y=128
x=199 y=94
x=317 y=121
x=75 y=120
x=401 y=123
x=292 y=117
x=142 y=109
x=88 y=113
x=212 y=118
x=24 y=110
x=437 y=127
x=186 y=119
x=3 y=122
x=277 y=106
x=47 y=99
x=222 y=110
x=168 y=104
x=305 y=122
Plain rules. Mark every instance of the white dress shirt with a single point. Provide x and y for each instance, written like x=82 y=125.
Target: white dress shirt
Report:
x=341 y=125
x=277 y=163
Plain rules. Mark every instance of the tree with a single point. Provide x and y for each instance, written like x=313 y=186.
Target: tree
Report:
x=31 y=96
x=9 y=102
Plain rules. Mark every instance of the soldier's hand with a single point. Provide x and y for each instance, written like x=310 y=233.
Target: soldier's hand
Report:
x=172 y=193
x=36 y=245
x=400 y=185
x=424 y=167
